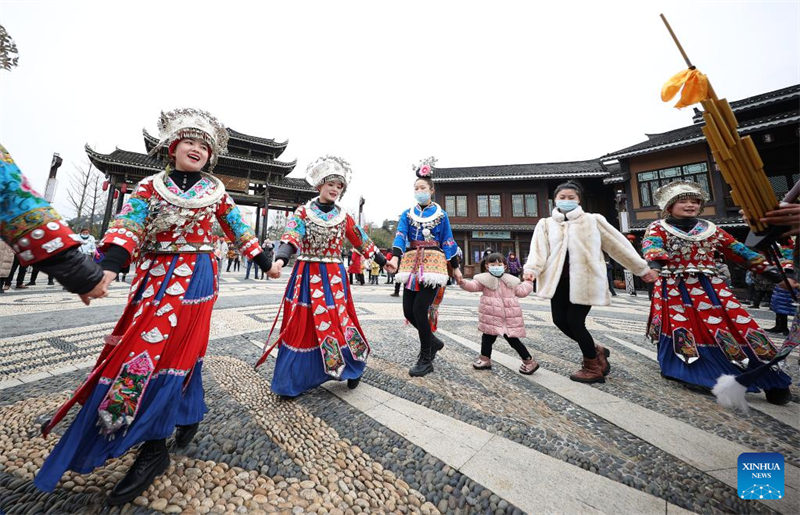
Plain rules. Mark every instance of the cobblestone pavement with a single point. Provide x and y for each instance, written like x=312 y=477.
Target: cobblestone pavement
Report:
x=455 y=441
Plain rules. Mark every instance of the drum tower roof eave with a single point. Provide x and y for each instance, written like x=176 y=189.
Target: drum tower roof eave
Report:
x=239 y=141
x=131 y=167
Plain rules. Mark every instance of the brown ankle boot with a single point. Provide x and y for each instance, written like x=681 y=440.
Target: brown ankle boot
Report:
x=591 y=372
x=602 y=357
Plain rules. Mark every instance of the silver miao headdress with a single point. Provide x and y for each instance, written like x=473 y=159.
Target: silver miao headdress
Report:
x=670 y=193
x=192 y=123
x=8 y=50
x=320 y=170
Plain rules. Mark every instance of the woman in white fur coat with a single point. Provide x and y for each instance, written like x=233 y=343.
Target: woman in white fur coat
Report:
x=566 y=259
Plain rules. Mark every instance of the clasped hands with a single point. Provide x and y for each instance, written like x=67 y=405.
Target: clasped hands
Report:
x=100 y=289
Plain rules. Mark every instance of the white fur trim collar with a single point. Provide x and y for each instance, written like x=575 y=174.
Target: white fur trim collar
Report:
x=489 y=281
x=558 y=216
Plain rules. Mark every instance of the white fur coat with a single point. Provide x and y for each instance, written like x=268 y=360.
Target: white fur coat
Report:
x=585 y=236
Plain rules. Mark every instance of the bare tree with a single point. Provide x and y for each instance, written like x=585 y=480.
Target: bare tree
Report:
x=275 y=229
x=85 y=195
x=97 y=198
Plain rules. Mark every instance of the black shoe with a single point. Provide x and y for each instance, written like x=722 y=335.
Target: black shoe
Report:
x=152 y=461
x=31 y=284
x=424 y=365
x=779 y=396
x=437 y=346
x=185 y=434
x=394 y=294
x=778 y=329
x=353 y=383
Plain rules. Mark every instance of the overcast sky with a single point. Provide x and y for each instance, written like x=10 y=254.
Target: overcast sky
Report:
x=383 y=84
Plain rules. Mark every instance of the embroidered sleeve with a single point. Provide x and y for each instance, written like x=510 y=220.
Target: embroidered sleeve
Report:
x=127 y=230
x=737 y=252
x=27 y=221
x=446 y=240
x=653 y=243
x=356 y=235
x=787 y=257
x=401 y=236
x=236 y=229
x=295 y=228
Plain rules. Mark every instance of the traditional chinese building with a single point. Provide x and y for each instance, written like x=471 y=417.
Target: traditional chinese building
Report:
x=251 y=172
x=497 y=207
x=773 y=121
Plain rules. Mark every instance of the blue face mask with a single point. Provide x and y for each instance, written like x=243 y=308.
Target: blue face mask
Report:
x=565 y=206
x=497 y=270
x=423 y=197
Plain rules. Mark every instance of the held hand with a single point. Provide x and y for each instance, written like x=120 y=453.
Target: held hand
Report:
x=391 y=265
x=100 y=290
x=275 y=271
x=650 y=276
x=788 y=215
x=527 y=275
x=458 y=276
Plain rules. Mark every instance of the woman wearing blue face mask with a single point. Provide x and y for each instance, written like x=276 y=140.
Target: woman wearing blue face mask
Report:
x=425 y=242
x=566 y=258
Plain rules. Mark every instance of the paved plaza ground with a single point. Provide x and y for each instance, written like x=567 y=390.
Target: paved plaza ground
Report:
x=455 y=441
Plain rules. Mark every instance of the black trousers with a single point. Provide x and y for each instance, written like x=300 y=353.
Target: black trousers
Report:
x=487 y=340
x=415 y=309
x=571 y=318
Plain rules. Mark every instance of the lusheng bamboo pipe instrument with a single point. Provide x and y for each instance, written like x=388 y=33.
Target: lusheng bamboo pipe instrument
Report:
x=737 y=157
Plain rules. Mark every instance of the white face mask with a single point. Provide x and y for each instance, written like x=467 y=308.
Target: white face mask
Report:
x=422 y=197
x=565 y=206
x=497 y=270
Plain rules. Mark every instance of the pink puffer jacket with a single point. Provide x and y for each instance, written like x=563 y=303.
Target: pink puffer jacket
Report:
x=499 y=312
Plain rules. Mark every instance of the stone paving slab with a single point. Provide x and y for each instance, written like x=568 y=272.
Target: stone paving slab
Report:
x=707 y=452
x=256 y=452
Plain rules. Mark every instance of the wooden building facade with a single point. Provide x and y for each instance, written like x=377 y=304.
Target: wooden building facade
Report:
x=773 y=121
x=497 y=207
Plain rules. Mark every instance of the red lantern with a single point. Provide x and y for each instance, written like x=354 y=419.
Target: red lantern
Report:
x=263 y=211
x=105 y=185
x=116 y=194
x=124 y=188
x=630 y=237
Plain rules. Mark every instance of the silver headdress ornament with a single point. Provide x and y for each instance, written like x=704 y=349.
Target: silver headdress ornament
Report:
x=192 y=123
x=8 y=50
x=326 y=167
x=670 y=193
x=425 y=167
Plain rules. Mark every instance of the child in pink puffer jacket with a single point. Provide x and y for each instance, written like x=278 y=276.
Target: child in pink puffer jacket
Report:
x=499 y=312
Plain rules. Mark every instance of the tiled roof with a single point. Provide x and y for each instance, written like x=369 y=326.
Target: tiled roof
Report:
x=232 y=160
x=693 y=134
x=570 y=169
x=147 y=165
x=767 y=98
x=729 y=221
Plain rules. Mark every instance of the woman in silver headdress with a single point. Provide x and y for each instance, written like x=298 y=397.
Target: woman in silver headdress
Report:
x=701 y=329
x=320 y=337
x=147 y=379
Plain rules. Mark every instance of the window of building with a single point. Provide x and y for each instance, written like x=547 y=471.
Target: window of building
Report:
x=455 y=205
x=649 y=182
x=489 y=205
x=524 y=204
